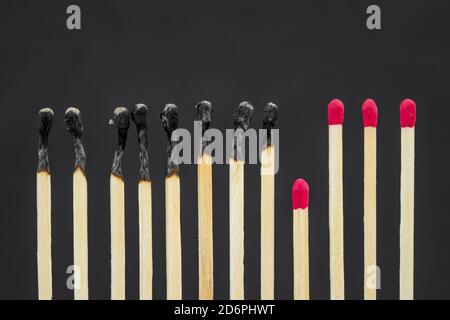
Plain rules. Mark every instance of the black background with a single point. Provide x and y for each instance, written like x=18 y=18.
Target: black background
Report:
x=298 y=54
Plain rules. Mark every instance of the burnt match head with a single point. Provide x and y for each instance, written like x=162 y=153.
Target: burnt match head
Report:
x=169 y=118
x=45 y=121
x=270 y=116
x=139 y=115
x=121 y=120
x=204 y=113
x=72 y=118
x=243 y=116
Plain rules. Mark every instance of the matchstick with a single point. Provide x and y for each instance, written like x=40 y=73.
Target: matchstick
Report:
x=370 y=117
x=169 y=118
x=407 y=124
x=205 y=209
x=300 y=204
x=139 y=117
x=336 y=216
x=242 y=118
x=268 y=206
x=44 y=203
x=80 y=206
x=121 y=119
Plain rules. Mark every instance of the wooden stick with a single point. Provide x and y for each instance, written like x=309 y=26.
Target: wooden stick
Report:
x=121 y=120
x=139 y=117
x=242 y=118
x=407 y=123
x=44 y=202
x=300 y=203
x=370 y=116
x=205 y=210
x=268 y=207
x=80 y=206
x=169 y=118
x=336 y=222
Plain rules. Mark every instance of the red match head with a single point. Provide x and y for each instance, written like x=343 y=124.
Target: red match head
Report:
x=407 y=113
x=335 y=112
x=300 y=194
x=370 y=113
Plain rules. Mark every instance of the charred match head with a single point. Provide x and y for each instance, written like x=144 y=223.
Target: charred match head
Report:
x=45 y=121
x=139 y=115
x=169 y=118
x=243 y=116
x=270 y=119
x=74 y=125
x=121 y=120
x=204 y=114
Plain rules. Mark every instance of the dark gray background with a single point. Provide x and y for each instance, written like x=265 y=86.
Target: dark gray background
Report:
x=298 y=54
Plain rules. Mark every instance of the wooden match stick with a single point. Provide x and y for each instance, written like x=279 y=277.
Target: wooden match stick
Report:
x=139 y=117
x=242 y=118
x=121 y=119
x=205 y=209
x=268 y=206
x=336 y=216
x=44 y=203
x=169 y=118
x=407 y=124
x=80 y=206
x=370 y=118
x=300 y=203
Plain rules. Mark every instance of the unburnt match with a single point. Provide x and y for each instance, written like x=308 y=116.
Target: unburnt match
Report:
x=121 y=120
x=407 y=124
x=370 y=119
x=242 y=118
x=268 y=205
x=139 y=116
x=300 y=204
x=336 y=216
x=74 y=126
x=44 y=204
x=169 y=118
x=205 y=209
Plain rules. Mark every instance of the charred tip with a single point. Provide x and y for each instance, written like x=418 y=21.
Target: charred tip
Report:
x=204 y=114
x=121 y=120
x=139 y=115
x=169 y=118
x=74 y=125
x=243 y=116
x=270 y=116
x=45 y=121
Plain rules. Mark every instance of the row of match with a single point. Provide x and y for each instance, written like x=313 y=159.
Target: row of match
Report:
x=300 y=203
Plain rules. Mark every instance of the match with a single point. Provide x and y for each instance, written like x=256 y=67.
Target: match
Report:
x=169 y=118
x=300 y=204
x=370 y=118
x=205 y=209
x=242 y=118
x=74 y=126
x=268 y=206
x=336 y=211
x=407 y=124
x=121 y=120
x=44 y=205
x=139 y=115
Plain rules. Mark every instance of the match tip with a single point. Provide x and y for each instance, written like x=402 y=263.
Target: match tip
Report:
x=72 y=118
x=45 y=119
x=300 y=194
x=204 y=112
x=169 y=117
x=370 y=113
x=139 y=116
x=121 y=119
x=407 y=113
x=335 y=112
x=243 y=115
x=270 y=115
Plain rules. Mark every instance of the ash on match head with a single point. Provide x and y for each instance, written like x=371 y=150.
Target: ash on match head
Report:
x=74 y=125
x=45 y=121
x=169 y=118
x=121 y=120
x=370 y=113
x=270 y=119
x=204 y=114
x=407 y=113
x=335 y=112
x=243 y=116
x=139 y=117
x=300 y=194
